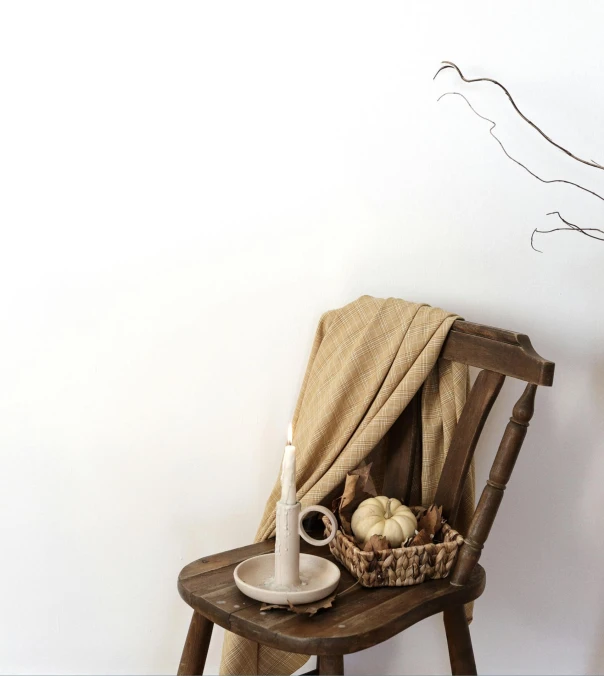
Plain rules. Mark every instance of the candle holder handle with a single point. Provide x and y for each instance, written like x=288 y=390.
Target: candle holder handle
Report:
x=323 y=510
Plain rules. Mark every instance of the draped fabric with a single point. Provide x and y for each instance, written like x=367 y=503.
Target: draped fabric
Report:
x=369 y=358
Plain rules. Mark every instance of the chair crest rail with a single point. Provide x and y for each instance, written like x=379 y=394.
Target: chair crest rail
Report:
x=506 y=352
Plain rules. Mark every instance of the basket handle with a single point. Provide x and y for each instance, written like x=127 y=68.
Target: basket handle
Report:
x=329 y=514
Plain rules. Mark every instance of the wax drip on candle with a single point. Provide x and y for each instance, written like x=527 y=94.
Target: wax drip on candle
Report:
x=288 y=471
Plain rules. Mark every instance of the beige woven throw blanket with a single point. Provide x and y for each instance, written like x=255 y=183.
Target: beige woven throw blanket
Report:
x=368 y=360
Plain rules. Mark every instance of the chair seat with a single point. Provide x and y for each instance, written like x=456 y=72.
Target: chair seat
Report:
x=358 y=619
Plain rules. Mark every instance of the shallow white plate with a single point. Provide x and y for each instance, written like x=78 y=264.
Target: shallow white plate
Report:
x=321 y=577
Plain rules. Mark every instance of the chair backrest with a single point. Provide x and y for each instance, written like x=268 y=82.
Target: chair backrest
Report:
x=498 y=354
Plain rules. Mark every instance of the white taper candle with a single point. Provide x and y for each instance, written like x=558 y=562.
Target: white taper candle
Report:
x=288 y=472
x=287 y=542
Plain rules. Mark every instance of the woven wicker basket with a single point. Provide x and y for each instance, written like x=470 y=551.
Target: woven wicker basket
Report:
x=399 y=567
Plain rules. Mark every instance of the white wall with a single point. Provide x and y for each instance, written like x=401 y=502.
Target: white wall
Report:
x=185 y=188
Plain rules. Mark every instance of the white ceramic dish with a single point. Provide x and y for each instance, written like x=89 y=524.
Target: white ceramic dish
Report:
x=320 y=575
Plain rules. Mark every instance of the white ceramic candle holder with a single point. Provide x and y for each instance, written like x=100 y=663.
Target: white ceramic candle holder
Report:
x=288 y=576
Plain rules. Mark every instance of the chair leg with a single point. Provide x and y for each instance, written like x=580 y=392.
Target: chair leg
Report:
x=196 y=647
x=330 y=665
x=459 y=640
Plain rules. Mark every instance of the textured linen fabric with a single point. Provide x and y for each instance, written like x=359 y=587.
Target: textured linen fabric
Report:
x=368 y=360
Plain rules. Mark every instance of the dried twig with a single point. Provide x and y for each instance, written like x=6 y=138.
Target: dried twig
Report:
x=532 y=173
x=570 y=227
x=450 y=64
x=348 y=589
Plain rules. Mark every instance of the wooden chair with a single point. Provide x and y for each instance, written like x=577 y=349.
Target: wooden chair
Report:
x=365 y=617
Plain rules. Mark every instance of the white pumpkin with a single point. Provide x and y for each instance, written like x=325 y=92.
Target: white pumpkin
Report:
x=383 y=516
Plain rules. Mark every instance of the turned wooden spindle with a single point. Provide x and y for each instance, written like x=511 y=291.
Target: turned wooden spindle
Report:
x=492 y=495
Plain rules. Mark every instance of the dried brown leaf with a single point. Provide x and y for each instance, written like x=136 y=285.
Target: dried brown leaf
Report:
x=419 y=512
x=309 y=609
x=365 y=482
x=271 y=606
x=358 y=487
x=350 y=488
x=431 y=520
x=423 y=537
x=376 y=543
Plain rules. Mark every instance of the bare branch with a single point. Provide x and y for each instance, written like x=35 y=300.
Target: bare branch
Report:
x=577 y=228
x=570 y=227
x=450 y=64
x=532 y=173
x=533 y=247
